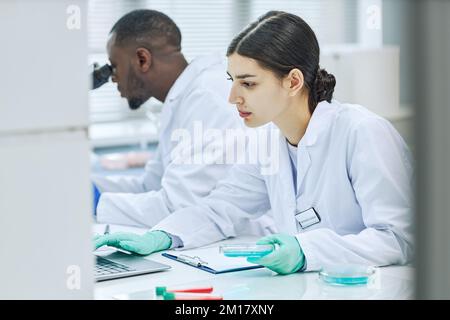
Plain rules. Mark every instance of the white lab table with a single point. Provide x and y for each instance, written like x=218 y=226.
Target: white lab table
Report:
x=394 y=282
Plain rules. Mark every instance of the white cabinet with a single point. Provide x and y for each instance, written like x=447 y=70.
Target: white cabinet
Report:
x=45 y=191
x=44 y=65
x=45 y=216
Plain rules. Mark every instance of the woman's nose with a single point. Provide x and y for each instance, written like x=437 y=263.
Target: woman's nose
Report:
x=234 y=98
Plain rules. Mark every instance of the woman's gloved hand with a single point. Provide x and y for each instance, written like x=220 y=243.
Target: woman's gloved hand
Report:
x=145 y=244
x=287 y=257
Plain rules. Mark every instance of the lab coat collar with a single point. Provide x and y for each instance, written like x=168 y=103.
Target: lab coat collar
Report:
x=319 y=122
x=192 y=70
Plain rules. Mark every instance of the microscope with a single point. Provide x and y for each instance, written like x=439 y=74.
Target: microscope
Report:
x=100 y=75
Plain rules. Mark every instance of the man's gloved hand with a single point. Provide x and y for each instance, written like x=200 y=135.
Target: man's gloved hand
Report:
x=287 y=257
x=145 y=244
x=96 y=197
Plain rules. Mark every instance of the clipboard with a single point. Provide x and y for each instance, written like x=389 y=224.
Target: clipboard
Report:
x=210 y=260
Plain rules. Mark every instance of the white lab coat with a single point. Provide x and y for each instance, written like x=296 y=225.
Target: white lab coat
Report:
x=198 y=99
x=353 y=168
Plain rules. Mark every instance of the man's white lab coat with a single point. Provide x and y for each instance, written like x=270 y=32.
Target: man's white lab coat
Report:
x=196 y=102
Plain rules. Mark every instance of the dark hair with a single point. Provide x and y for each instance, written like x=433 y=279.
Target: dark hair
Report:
x=149 y=26
x=280 y=42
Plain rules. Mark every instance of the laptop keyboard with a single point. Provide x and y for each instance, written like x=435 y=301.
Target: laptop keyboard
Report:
x=105 y=267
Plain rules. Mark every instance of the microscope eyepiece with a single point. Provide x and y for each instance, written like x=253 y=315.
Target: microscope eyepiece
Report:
x=100 y=75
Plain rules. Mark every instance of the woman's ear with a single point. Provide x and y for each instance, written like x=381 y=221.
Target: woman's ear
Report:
x=144 y=59
x=294 y=82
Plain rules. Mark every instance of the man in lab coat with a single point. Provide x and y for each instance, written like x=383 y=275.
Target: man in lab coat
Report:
x=144 y=49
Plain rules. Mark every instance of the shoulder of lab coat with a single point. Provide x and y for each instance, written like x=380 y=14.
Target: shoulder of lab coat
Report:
x=200 y=95
x=380 y=169
x=204 y=72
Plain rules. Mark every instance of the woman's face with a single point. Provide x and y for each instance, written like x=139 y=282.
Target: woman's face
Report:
x=257 y=93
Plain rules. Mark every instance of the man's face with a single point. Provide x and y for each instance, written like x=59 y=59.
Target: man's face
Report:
x=125 y=73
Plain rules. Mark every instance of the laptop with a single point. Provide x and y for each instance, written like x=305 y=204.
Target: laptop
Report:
x=120 y=265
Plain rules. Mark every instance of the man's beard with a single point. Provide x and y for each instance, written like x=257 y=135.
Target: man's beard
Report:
x=135 y=103
x=139 y=95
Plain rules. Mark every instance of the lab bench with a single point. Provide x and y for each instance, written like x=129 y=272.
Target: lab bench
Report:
x=394 y=282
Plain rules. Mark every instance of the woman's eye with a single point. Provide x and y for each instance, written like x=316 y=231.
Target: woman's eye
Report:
x=248 y=84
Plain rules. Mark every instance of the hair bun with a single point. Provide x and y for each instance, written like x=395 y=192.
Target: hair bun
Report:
x=324 y=84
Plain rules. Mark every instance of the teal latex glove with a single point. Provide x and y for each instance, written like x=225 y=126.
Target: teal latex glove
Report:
x=287 y=257
x=145 y=244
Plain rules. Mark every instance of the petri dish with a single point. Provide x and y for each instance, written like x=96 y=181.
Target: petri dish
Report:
x=246 y=250
x=346 y=274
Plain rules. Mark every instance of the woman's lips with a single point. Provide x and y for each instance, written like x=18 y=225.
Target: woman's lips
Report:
x=244 y=114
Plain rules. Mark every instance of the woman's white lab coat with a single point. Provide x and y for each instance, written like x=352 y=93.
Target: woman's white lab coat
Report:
x=353 y=168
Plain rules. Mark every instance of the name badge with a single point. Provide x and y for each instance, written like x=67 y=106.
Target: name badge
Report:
x=307 y=218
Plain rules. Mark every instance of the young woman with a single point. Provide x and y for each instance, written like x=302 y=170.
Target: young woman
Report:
x=343 y=191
